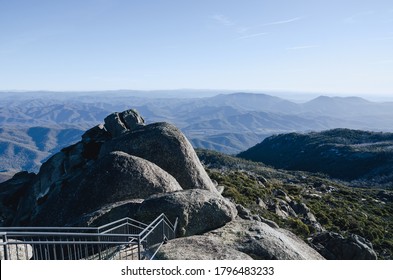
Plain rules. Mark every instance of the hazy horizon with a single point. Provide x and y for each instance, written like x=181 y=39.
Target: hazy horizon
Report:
x=287 y=46
x=297 y=97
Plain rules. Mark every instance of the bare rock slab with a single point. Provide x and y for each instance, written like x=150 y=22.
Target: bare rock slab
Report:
x=198 y=248
x=261 y=241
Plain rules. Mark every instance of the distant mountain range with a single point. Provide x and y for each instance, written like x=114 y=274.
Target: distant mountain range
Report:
x=25 y=148
x=228 y=123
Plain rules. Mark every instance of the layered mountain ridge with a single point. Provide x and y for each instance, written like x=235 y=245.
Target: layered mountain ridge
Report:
x=229 y=123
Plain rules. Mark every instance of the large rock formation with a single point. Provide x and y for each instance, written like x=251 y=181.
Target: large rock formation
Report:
x=119 y=160
x=164 y=145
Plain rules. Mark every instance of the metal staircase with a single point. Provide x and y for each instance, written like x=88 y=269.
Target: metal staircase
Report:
x=124 y=239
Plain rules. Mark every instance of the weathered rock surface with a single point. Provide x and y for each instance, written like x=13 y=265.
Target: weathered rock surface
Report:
x=246 y=214
x=282 y=209
x=54 y=174
x=164 y=145
x=119 y=175
x=260 y=241
x=334 y=246
x=113 y=178
x=11 y=192
x=198 y=210
x=132 y=119
x=199 y=248
x=118 y=123
x=243 y=212
x=96 y=134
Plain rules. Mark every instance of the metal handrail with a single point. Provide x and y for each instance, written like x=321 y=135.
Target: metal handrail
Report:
x=161 y=217
x=124 y=219
x=104 y=242
x=151 y=224
x=48 y=228
x=39 y=233
x=74 y=228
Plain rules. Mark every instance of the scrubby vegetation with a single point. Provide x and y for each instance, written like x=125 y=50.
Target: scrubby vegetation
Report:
x=336 y=206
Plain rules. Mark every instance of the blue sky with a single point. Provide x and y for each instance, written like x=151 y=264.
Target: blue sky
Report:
x=342 y=47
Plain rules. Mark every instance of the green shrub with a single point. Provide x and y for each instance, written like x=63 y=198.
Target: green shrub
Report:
x=298 y=227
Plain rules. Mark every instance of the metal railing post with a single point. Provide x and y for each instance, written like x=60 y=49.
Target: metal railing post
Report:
x=139 y=248
x=175 y=227
x=163 y=229
x=5 y=246
x=99 y=245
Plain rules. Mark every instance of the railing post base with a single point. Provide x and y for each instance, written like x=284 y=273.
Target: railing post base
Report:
x=5 y=247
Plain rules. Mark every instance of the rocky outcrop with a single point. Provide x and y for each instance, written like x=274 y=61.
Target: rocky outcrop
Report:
x=334 y=246
x=164 y=145
x=119 y=160
x=114 y=177
x=118 y=123
x=305 y=214
x=245 y=214
x=261 y=241
x=199 y=248
x=284 y=207
x=198 y=211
